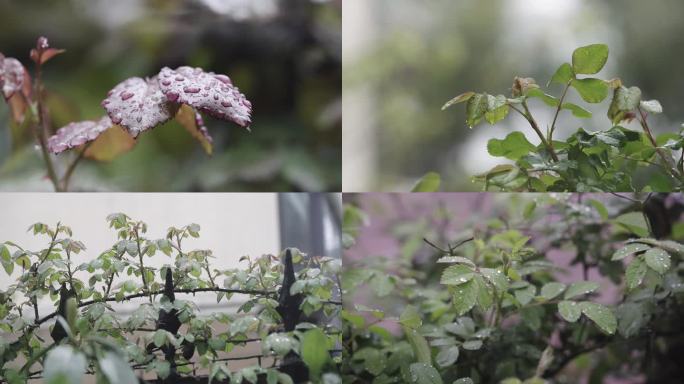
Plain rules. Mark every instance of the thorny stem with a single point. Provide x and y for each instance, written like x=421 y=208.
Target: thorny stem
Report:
x=42 y=129
x=672 y=168
x=533 y=123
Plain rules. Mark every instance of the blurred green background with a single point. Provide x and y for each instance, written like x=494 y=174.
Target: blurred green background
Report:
x=284 y=55
x=403 y=59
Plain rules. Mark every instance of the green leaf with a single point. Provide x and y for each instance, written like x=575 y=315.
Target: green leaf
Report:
x=658 y=260
x=476 y=109
x=410 y=317
x=456 y=274
x=484 y=292
x=513 y=147
x=496 y=277
x=428 y=183
x=600 y=208
x=633 y=222
x=159 y=337
x=552 y=290
x=447 y=356
x=456 y=260
x=580 y=288
x=651 y=106
x=116 y=369
x=420 y=347
x=601 y=315
x=64 y=365
x=629 y=249
x=591 y=90
x=422 y=373
x=635 y=273
x=589 y=59
x=458 y=99
x=464 y=380
x=569 y=310
x=472 y=345
x=546 y=98
x=497 y=109
x=163 y=368
x=576 y=110
x=564 y=74
x=525 y=295
x=624 y=100
x=314 y=351
x=465 y=297
x=6 y=259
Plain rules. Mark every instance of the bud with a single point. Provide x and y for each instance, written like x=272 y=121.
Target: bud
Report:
x=523 y=84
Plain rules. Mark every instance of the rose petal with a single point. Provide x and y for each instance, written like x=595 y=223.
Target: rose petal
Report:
x=207 y=92
x=75 y=134
x=138 y=105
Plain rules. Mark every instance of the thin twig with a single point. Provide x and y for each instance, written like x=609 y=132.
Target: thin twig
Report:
x=70 y=170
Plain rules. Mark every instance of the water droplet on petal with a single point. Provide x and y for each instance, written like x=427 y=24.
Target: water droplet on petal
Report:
x=172 y=96
x=126 y=95
x=191 y=89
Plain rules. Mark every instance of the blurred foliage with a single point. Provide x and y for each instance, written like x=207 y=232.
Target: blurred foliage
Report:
x=285 y=55
x=418 y=56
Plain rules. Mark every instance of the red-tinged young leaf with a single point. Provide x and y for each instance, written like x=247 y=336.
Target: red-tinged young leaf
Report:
x=193 y=123
x=206 y=92
x=110 y=144
x=75 y=134
x=42 y=52
x=46 y=55
x=12 y=76
x=138 y=105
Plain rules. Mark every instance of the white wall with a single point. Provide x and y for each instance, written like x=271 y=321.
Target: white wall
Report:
x=232 y=224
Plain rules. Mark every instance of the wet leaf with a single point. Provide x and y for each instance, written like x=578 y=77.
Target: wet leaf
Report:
x=580 y=288
x=658 y=260
x=422 y=373
x=12 y=75
x=629 y=249
x=635 y=273
x=76 y=134
x=601 y=315
x=552 y=290
x=138 y=105
x=456 y=274
x=569 y=310
x=206 y=92
x=464 y=297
